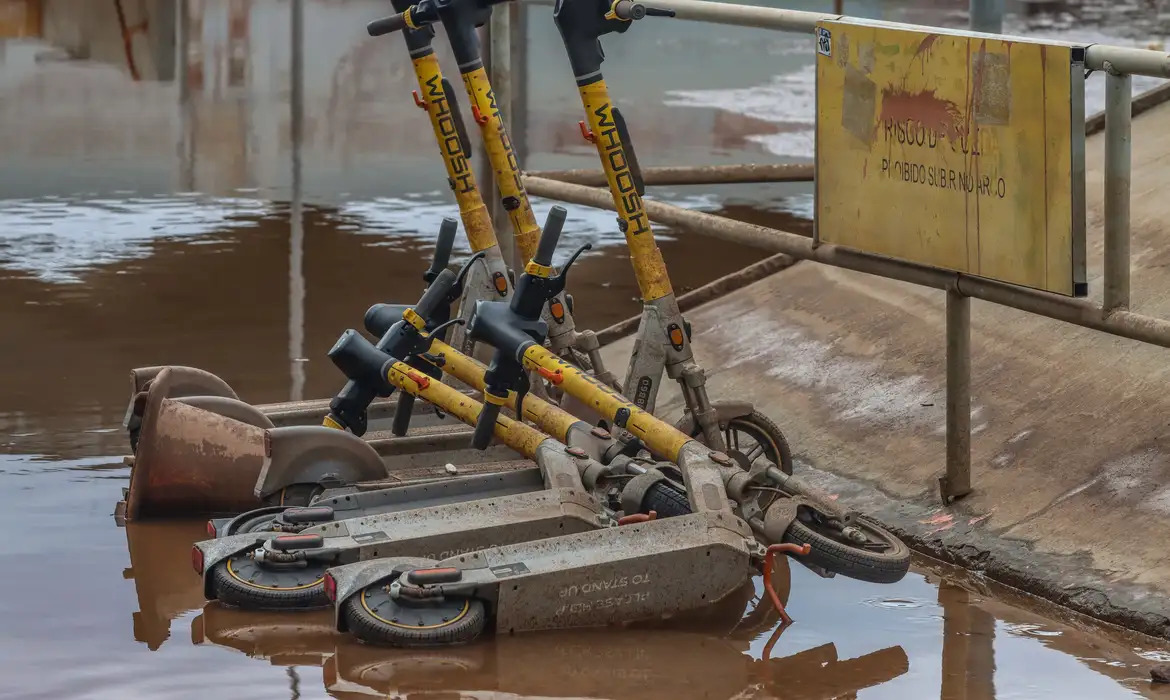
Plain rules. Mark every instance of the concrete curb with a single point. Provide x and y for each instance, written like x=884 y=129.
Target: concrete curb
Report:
x=962 y=540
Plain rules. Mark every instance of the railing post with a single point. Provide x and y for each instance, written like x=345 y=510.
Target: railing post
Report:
x=518 y=68
x=986 y=16
x=957 y=481
x=1118 y=159
x=185 y=144
x=296 y=272
x=499 y=59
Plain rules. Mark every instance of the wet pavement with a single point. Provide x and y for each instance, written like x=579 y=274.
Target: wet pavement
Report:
x=139 y=226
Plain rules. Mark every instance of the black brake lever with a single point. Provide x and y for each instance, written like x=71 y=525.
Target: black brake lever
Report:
x=461 y=276
x=559 y=280
x=443 y=326
x=420 y=345
x=659 y=12
x=523 y=386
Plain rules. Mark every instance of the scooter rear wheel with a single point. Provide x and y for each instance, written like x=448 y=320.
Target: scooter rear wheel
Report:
x=241 y=582
x=886 y=559
x=373 y=616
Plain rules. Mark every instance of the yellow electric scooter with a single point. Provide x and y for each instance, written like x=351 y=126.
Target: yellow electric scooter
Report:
x=664 y=336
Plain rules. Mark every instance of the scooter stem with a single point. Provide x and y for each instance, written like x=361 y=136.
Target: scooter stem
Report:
x=581 y=24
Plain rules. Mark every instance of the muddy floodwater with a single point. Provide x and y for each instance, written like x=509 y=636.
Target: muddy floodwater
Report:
x=159 y=207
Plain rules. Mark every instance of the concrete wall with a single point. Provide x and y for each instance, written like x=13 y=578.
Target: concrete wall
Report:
x=74 y=120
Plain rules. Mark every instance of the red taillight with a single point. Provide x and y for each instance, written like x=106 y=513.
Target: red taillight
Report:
x=211 y=529
x=330 y=588
x=197 y=560
x=446 y=574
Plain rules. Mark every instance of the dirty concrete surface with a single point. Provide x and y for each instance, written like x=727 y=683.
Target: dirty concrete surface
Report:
x=1068 y=460
x=139 y=228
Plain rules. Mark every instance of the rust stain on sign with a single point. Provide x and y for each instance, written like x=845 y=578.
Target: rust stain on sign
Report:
x=926 y=108
x=925 y=46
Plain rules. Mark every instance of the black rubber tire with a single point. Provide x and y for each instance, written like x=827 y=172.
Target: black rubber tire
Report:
x=364 y=625
x=848 y=560
x=238 y=593
x=781 y=452
x=666 y=501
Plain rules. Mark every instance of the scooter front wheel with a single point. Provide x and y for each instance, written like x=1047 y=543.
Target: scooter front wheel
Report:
x=242 y=582
x=882 y=558
x=375 y=617
x=751 y=437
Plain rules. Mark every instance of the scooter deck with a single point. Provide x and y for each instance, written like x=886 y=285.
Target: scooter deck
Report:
x=433 y=532
x=594 y=578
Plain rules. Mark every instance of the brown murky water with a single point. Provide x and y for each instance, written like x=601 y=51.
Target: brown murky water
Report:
x=141 y=224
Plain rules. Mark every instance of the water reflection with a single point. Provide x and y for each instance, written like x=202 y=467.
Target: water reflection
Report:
x=968 y=648
x=944 y=635
x=163 y=580
x=633 y=663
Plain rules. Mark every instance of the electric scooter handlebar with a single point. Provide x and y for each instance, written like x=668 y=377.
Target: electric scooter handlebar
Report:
x=548 y=242
x=380 y=317
x=511 y=327
x=360 y=361
x=627 y=10
x=461 y=17
x=348 y=408
x=400 y=338
x=443 y=248
x=387 y=25
x=583 y=22
x=404 y=411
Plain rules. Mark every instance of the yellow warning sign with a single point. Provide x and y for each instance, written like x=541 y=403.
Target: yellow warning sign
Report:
x=953 y=150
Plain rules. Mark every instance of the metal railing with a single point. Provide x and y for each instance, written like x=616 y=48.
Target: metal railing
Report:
x=1112 y=317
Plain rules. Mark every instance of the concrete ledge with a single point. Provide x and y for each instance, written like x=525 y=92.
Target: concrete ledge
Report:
x=959 y=536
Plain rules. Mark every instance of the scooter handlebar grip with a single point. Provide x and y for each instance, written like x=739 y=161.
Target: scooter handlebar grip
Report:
x=435 y=295
x=386 y=25
x=551 y=235
x=485 y=426
x=625 y=9
x=380 y=317
x=444 y=245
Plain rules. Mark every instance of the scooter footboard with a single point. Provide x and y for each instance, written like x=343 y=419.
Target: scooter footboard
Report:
x=627 y=573
x=618 y=574
x=436 y=532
